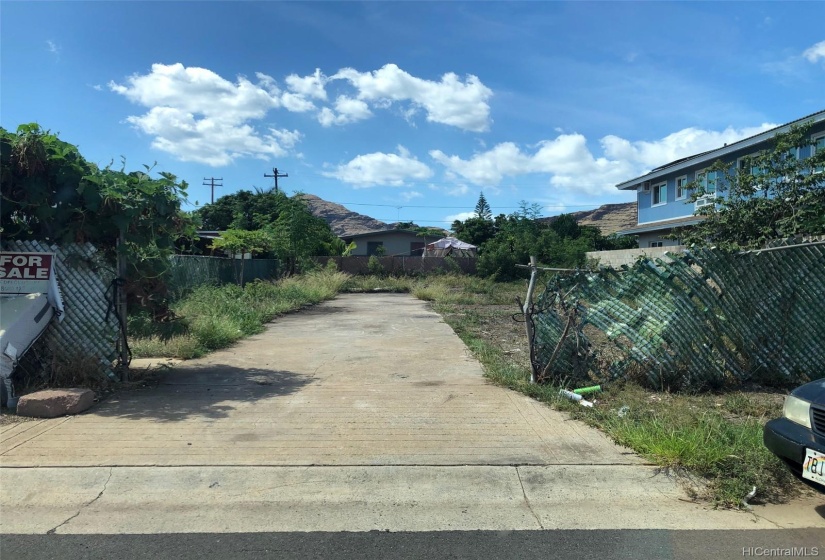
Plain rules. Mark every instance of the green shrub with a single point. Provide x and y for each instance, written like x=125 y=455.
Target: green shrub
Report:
x=375 y=267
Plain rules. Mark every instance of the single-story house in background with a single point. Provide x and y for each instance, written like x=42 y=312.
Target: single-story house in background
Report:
x=662 y=199
x=395 y=242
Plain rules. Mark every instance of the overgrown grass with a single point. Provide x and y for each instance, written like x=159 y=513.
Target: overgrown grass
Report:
x=359 y=284
x=214 y=317
x=443 y=288
x=700 y=435
x=713 y=441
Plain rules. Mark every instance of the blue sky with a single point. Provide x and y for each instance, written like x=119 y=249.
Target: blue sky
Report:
x=408 y=110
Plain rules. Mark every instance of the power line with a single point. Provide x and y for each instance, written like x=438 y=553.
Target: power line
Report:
x=595 y=204
x=213 y=185
x=468 y=208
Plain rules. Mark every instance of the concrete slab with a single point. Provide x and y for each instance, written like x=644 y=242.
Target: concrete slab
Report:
x=141 y=500
x=367 y=379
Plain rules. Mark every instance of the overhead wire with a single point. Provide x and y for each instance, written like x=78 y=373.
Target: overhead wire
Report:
x=595 y=204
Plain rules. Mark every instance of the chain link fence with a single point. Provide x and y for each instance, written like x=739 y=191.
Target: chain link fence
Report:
x=187 y=272
x=88 y=334
x=701 y=319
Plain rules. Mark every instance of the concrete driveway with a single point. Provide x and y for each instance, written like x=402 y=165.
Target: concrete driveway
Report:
x=374 y=379
x=364 y=413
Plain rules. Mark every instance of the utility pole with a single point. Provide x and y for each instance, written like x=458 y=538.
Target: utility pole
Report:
x=275 y=176
x=211 y=182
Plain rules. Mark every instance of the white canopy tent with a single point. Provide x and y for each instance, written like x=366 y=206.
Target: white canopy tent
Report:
x=449 y=246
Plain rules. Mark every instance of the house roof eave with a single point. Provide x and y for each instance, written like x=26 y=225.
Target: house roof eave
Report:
x=712 y=155
x=664 y=225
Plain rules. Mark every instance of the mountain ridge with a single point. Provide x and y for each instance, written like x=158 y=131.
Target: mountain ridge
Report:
x=609 y=218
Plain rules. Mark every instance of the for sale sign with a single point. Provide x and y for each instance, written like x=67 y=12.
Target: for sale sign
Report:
x=25 y=273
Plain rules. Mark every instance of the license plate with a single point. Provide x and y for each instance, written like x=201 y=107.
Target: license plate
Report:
x=814 y=466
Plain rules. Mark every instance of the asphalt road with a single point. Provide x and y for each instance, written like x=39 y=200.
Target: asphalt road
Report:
x=601 y=545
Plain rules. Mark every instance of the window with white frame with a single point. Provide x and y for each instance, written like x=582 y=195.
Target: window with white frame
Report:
x=706 y=180
x=681 y=187
x=659 y=194
x=655 y=244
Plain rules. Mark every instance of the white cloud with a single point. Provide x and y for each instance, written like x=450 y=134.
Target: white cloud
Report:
x=196 y=115
x=686 y=142
x=378 y=168
x=53 y=47
x=308 y=86
x=450 y=101
x=349 y=110
x=296 y=103
x=458 y=190
x=461 y=216
x=210 y=141
x=97 y=87
x=571 y=166
x=486 y=168
x=410 y=195
x=815 y=53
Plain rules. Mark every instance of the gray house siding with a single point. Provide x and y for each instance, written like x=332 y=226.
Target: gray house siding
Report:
x=394 y=242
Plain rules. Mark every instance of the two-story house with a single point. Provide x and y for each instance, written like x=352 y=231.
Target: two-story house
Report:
x=663 y=199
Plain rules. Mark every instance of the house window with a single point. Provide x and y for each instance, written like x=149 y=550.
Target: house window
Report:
x=746 y=165
x=375 y=248
x=706 y=180
x=659 y=194
x=818 y=146
x=655 y=244
x=416 y=248
x=681 y=187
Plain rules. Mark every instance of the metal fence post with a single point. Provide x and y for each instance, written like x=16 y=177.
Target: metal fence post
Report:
x=121 y=305
x=528 y=322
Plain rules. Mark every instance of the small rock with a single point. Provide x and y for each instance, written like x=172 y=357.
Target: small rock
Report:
x=52 y=403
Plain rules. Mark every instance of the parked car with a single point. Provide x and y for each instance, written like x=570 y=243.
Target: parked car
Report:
x=798 y=437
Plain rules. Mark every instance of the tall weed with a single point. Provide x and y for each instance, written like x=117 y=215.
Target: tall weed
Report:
x=214 y=317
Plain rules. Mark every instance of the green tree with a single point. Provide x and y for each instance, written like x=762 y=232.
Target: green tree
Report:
x=420 y=231
x=296 y=232
x=50 y=192
x=237 y=243
x=483 y=210
x=474 y=230
x=241 y=210
x=771 y=195
x=299 y=235
x=562 y=243
x=339 y=248
x=566 y=226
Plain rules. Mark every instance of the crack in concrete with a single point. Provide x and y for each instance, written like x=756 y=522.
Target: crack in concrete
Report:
x=84 y=506
x=772 y=522
x=527 y=500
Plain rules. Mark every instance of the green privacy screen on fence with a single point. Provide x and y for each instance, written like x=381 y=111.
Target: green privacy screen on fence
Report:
x=188 y=272
x=701 y=319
